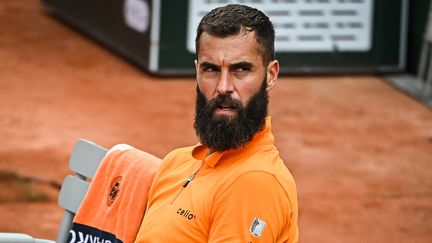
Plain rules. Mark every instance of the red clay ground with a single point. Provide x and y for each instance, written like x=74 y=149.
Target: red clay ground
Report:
x=361 y=151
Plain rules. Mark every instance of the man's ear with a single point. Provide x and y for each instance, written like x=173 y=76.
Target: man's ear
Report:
x=196 y=64
x=272 y=74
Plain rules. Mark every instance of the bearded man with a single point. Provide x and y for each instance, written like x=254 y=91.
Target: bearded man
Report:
x=232 y=186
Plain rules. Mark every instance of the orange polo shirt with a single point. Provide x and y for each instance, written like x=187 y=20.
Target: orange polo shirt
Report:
x=242 y=195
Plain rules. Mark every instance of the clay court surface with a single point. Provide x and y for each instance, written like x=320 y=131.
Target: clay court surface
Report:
x=360 y=150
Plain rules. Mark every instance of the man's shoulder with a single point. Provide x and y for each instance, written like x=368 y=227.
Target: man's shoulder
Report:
x=270 y=162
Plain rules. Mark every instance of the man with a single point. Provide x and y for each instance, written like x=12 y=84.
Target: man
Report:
x=232 y=186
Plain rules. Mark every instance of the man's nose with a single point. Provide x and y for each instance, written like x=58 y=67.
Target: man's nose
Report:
x=225 y=85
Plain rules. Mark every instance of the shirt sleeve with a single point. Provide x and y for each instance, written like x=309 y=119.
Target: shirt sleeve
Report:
x=255 y=208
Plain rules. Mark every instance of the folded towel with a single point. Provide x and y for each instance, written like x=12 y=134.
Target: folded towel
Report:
x=114 y=205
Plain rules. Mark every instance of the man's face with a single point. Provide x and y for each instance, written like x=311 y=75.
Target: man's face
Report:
x=229 y=65
x=231 y=96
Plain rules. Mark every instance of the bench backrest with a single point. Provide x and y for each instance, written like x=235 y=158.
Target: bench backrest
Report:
x=84 y=161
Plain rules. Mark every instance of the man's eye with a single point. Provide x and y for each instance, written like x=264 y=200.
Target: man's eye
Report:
x=241 y=69
x=210 y=69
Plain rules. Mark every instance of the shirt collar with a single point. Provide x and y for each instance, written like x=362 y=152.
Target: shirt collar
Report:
x=261 y=138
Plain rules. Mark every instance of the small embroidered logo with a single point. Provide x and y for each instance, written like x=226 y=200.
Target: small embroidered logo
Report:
x=257 y=227
x=115 y=189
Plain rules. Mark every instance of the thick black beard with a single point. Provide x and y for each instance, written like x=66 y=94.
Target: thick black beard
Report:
x=221 y=133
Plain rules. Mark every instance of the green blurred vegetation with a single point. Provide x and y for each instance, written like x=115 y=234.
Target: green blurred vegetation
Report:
x=18 y=188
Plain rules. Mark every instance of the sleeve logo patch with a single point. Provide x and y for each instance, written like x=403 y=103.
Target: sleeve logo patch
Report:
x=257 y=227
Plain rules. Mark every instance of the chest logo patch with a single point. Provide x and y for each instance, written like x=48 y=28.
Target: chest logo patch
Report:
x=257 y=227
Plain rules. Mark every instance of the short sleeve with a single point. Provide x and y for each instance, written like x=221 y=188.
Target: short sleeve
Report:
x=255 y=208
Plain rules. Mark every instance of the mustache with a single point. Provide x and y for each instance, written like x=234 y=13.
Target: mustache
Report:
x=226 y=100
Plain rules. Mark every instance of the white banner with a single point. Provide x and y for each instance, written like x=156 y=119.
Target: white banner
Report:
x=303 y=25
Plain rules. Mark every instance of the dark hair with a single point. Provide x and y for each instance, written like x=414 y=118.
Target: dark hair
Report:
x=234 y=18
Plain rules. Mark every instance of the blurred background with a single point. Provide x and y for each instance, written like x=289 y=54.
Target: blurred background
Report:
x=351 y=111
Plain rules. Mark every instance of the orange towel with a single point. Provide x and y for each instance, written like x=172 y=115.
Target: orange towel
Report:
x=114 y=205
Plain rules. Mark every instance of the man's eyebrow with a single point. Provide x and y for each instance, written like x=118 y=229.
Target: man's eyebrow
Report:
x=206 y=65
x=242 y=65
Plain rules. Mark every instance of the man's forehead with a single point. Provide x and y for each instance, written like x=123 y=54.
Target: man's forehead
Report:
x=239 y=48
